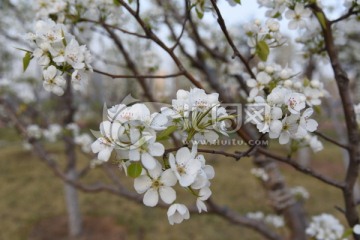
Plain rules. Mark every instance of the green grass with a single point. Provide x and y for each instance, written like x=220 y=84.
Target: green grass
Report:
x=29 y=193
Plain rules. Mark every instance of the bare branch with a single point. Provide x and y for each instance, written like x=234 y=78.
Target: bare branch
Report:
x=331 y=140
x=139 y=76
x=229 y=39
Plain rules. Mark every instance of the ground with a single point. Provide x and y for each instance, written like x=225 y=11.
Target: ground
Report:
x=56 y=228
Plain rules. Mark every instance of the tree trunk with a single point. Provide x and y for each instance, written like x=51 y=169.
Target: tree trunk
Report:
x=72 y=205
x=71 y=194
x=281 y=199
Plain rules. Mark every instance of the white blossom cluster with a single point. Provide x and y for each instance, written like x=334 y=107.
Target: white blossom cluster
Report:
x=59 y=54
x=273 y=220
x=295 y=12
x=325 y=227
x=134 y=133
x=54 y=131
x=92 y=9
x=22 y=90
x=285 y=103
x=260 y=173
x=268 y=33
x=198 y=114
x=300 y=192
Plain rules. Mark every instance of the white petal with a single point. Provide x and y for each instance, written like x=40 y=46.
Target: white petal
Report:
x=187 y=180
x=284 y=138
x=156 y=172
x=293 y=25
x=156 y=149
x=151 y=198
x=209 y=171
x=134 y=135
x=211 y=136
x=253 y=92
x=183 y=155
x=97 y=146
x=308 y=112
x=356 y=229
x=105 y=154
x=167 y=194
x=168 y=178
x=251 y=83
x=148 y=161
x=142 y=183
x=134 y=155
x=201 y=206
x=311 y=125
x=193 y=166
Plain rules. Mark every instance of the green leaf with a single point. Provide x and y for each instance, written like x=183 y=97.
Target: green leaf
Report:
x=26 y=60
x=237 y=1
x=199 y=13
x=347 y=233
x=134 y=169
x=262 y=50
x=166 y=133
x=116 y=2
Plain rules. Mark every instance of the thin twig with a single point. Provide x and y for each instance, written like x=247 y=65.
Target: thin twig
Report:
x=229 y=39
x=331 y=140
x=138 y=76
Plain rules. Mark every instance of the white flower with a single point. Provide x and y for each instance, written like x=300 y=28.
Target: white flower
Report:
x=74 y=55
x=206 y=136
x=260 y=173
x=306 y=124
x=34 y=131
x=204 y=194
x=356 y=229
x=185 y=165
x=300 y=191
x=52 y=82
x=52 y=132
x=315 y=144
x=297 y=16
x=262 y=79
x=205 y=173
x=144 y=148
x=41 y=54
x=177 y=213
x=79 y=80
x=273 y=25
x=137 y=112
x=105 y=144
x=295 y=102
x=157 y=182
x=255 y=215
x=289 y=128
x=74 y=128
x=199 y=100
x=114 y=111
x=275 y=220
x=49 y=31
x=277 y=95
x=84 y=140
x=325 y=226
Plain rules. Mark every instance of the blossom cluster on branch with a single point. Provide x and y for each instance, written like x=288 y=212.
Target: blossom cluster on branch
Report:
x=135 y=134
x=60 y=55
x=286 y=103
